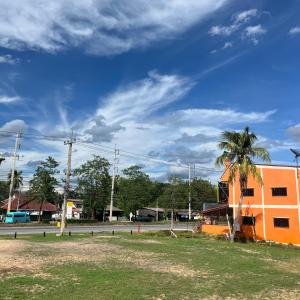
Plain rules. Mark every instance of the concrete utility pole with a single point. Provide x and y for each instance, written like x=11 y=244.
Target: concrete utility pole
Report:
x=12 y=177
x=113 y=183
x=67 y=183
x=190 y=207
x=156 y=210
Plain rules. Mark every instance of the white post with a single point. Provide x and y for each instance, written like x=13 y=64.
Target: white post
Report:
x=67 y=184
x=113 y=184
x=190 y=208
x=17 y=144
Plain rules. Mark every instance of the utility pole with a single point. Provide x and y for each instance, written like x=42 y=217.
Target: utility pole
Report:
x=11 y=187
x=113 y=183
x=67 y=183
x=157 y=210
x=190 y=208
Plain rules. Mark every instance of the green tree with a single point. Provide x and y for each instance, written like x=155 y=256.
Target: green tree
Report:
x=175 y=194
x=42 y=186
x=134 y=190
x=4 y=190
x=94 y=184
x=239 y=150
x=202 y=191
x=18 y=180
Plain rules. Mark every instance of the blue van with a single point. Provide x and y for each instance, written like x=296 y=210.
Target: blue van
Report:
x=17 y=217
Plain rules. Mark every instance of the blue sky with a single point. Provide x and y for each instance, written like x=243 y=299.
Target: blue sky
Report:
x=163 y=77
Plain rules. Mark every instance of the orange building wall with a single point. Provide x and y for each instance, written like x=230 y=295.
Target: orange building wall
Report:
x=214 y=229
x=264 y=207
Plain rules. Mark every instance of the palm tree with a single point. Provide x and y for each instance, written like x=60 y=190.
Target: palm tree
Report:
x=18 y=180
x=239 y=150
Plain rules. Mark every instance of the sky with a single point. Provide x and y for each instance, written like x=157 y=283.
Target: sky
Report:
x=156 y=78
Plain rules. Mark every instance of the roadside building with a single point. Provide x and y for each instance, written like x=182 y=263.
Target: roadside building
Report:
x=32 y=206
x=117 y=213
x=271 y=211
x=150 y=213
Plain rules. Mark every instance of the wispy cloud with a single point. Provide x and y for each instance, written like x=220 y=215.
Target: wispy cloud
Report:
x=8 y=59
x=9 y=99
x=295 y=30
x=100 y=27
x=223 y=30
x=294 y=132
x=244 y=16
x=237 y=26
x=238 y=20
x=252 y=32
x=141 y=98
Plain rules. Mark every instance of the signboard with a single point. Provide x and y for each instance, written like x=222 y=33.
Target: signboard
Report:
x=69 y=209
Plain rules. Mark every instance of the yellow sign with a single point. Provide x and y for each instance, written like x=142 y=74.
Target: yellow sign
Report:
x=70 y=203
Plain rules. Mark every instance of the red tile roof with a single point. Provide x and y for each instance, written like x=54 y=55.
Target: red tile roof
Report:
x=28 y=204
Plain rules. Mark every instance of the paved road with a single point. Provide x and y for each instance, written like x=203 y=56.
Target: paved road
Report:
x=94 y=228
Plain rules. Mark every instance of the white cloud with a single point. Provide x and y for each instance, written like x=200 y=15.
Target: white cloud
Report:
x=213 y=117
x=8 y=129
x=8 y=59
x=252 y=32
x=294 y=30
x=8 y=100
x=141 y=98
x=294 y=132
x=101 y=27
x=227 y=45
x=238 y=20
x=223 y=30
x=238 y=26
x=245 y=16
x=126 y=118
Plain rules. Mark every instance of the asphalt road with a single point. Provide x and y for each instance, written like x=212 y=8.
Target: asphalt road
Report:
x=95 y=228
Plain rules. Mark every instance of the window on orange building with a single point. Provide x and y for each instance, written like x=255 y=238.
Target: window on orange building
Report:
x=248 y=192
x=279 y=191
x=248 y=220
x=281 y=222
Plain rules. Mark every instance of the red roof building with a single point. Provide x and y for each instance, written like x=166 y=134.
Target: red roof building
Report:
x=22 y=202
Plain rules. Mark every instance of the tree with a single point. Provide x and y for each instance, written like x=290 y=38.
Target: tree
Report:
x=42 y=186
x=202 y=191
x=4 y=190
x=94 y=185
x=133 y=190
x=18 y=180
x=239 y=150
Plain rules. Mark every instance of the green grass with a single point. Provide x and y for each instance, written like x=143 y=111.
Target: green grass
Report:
x=151 y=266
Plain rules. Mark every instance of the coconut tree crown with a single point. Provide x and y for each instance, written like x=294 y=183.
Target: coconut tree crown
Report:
x=240 y=151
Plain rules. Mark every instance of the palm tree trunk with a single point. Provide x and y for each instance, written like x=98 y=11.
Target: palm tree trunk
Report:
x=39 y=219
x=237 y=217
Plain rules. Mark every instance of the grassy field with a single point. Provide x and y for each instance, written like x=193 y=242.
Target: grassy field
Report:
x=145 y=266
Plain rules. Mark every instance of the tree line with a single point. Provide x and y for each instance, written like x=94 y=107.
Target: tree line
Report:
x=133 y=189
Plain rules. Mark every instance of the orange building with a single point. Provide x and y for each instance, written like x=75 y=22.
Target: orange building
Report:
x=271 y=211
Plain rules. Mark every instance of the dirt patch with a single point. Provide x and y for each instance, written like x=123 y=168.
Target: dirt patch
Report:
x=278 y=294
x=23 y=257
x=145 y=241
x=250 y=251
